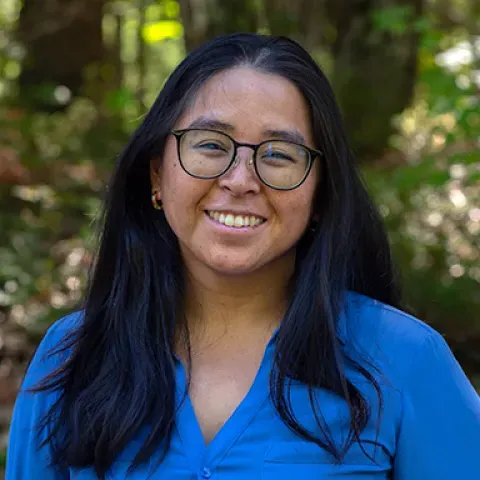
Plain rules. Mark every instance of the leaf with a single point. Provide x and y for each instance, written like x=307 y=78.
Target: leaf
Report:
x=473 y=179
x=119 y=99
x=158 y=31
x=172 y=9
x=412 y=177
x=430 y=40
x=467 y=158
x=392 y=19
x=422 y=24
x=437 y=178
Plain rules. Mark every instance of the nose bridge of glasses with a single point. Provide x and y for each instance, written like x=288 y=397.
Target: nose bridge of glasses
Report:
x=249 y=157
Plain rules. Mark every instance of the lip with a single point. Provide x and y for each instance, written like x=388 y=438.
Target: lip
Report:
x=234 y=230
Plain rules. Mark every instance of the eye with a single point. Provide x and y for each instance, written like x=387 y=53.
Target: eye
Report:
x=280 y=155
x=277 y=155
x=212 y=146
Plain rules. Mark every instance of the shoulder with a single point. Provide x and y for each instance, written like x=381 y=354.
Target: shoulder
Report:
x=28 y=452
x=53 y=349
x=66 y=324
x=389 y=338
x=372 y=318
x=60 y=330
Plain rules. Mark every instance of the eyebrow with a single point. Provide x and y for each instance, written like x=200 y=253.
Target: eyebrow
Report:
x=204 y=122
x=289 y=135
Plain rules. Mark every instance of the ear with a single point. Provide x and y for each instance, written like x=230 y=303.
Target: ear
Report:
x=155 y=174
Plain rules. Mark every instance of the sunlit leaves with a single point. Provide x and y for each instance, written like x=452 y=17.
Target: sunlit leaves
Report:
x=11 y=70
x=430 y=203
x=158 y=31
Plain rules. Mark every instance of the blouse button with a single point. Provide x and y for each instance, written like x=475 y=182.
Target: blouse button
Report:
x=206 y=472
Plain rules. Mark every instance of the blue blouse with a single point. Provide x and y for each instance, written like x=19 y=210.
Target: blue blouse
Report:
x=429 y=430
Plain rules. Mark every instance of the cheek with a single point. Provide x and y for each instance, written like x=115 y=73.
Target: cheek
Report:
x=300 y=203
x=296 y=216
x=182 y=195
x=175 y=182
x=297 y=210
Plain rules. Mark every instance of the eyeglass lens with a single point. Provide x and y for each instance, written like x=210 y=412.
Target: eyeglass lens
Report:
x=208 y=154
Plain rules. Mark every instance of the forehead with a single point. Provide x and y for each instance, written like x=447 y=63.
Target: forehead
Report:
x=250 y=101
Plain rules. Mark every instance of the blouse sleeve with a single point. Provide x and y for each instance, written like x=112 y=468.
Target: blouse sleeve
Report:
x=25 y=460
x=439 y=436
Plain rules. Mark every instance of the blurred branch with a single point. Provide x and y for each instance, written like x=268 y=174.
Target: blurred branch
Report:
x=141 y=59
x=11 y=170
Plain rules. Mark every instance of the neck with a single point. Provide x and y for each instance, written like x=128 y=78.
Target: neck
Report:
x=218 y=305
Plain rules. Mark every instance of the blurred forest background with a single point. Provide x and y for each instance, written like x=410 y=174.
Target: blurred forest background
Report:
x=76 y=77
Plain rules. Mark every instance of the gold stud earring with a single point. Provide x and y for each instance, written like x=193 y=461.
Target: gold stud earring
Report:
x=155 y=203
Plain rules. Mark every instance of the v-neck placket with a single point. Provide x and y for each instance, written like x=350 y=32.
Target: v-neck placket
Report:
x=204 y=459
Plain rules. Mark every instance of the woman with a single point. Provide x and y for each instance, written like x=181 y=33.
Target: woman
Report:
x=245 y=326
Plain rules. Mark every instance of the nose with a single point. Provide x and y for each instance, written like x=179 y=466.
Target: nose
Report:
x=240 y=178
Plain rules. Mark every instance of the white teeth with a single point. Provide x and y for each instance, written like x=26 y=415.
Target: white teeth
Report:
x=237 y=221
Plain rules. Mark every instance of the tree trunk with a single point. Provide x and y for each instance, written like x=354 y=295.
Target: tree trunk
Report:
x=374 y=70
x=63 y=43
x=301 y=20
x=205 y=19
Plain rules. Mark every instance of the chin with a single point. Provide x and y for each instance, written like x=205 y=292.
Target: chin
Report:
x=228 y=262
x=245 y=263
x=232 y=268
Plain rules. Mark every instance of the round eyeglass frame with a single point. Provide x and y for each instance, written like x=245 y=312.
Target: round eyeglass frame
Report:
x=312 y=154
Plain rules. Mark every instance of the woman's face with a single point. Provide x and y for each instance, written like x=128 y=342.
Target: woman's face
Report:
x=248 y=106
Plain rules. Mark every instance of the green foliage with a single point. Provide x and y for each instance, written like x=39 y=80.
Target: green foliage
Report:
x=59 y=165
x=430 y=202
x=46 y=218
x=393 y=19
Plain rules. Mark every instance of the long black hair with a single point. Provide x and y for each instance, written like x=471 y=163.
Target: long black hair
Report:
x=119 y=376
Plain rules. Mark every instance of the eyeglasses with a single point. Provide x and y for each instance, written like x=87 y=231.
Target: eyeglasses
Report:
x=208 y=154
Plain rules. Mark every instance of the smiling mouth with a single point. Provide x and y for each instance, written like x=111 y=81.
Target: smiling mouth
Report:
x=236 y=221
